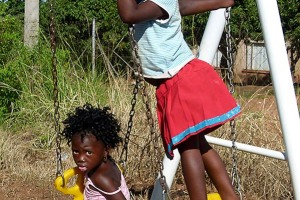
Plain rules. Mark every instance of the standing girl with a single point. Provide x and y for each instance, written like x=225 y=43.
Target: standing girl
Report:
x=192 y=99
x=93 y=132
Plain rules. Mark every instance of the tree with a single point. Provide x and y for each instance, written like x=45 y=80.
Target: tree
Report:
x=290 y=17
x=15 y=8
x=74 y=26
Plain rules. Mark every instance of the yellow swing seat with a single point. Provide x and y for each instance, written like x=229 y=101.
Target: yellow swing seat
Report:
x=76 y=190
x=213 y=196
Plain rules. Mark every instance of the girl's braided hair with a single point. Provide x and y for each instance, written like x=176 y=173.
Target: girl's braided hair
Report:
x=97 y=121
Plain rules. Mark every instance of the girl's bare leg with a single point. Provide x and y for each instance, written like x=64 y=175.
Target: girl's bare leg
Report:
x=216 y=170
x=193 y=168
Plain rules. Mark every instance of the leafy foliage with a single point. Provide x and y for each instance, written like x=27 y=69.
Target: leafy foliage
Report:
x=8 y=90
x=15 y=8
x=74 y=26
x=245 y=21
x=10 y=40
x=290 y=17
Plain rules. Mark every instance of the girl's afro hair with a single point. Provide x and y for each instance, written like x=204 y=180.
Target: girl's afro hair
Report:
x=97 y=121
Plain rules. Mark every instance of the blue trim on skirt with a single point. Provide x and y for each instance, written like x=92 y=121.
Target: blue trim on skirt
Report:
x=207 y=123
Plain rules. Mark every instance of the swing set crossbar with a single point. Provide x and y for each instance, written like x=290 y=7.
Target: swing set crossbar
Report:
x=247 y=148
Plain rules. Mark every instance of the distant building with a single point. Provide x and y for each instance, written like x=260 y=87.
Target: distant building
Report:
x=251 y=64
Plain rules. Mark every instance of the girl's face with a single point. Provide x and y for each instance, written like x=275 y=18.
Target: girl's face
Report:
x=88 y=152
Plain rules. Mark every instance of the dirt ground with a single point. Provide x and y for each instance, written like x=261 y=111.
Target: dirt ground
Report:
x=16 y=188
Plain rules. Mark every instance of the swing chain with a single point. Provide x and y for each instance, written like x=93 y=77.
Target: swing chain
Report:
x=130 y=121
x=234 y=173
x=146 y=101
x=150 y=120
x=59 y=169
x=229 y=50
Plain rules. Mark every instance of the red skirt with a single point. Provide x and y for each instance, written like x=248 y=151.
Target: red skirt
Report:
x=194 y=101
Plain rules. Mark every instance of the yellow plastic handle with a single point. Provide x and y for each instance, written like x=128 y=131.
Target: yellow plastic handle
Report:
x=77 y=189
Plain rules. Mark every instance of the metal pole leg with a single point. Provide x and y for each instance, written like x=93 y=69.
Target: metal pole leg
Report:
x=283 y=86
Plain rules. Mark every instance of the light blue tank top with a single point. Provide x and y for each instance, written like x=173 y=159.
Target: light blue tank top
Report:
x=161 y=46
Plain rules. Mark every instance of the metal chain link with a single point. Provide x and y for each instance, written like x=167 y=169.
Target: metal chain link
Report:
x=229 y=50
x=146 y=101
x=135 y=91
x=122 y=161
x=59 y=166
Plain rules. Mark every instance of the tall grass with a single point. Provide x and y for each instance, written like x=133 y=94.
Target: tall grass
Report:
x=261 y=177
x=27 y=139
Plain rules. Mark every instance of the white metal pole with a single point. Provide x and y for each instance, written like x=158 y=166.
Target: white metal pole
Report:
x=209 y=44
x=247 y=148
x=283 y=85
x=169 y=171
x=212 y=35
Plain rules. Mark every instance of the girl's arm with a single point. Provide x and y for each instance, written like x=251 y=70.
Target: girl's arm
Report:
x=190 y=7
x=132 y=13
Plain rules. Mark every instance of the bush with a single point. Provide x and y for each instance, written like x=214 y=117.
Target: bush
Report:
x=9 y=87
x=10 y=40
x=10 y=34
